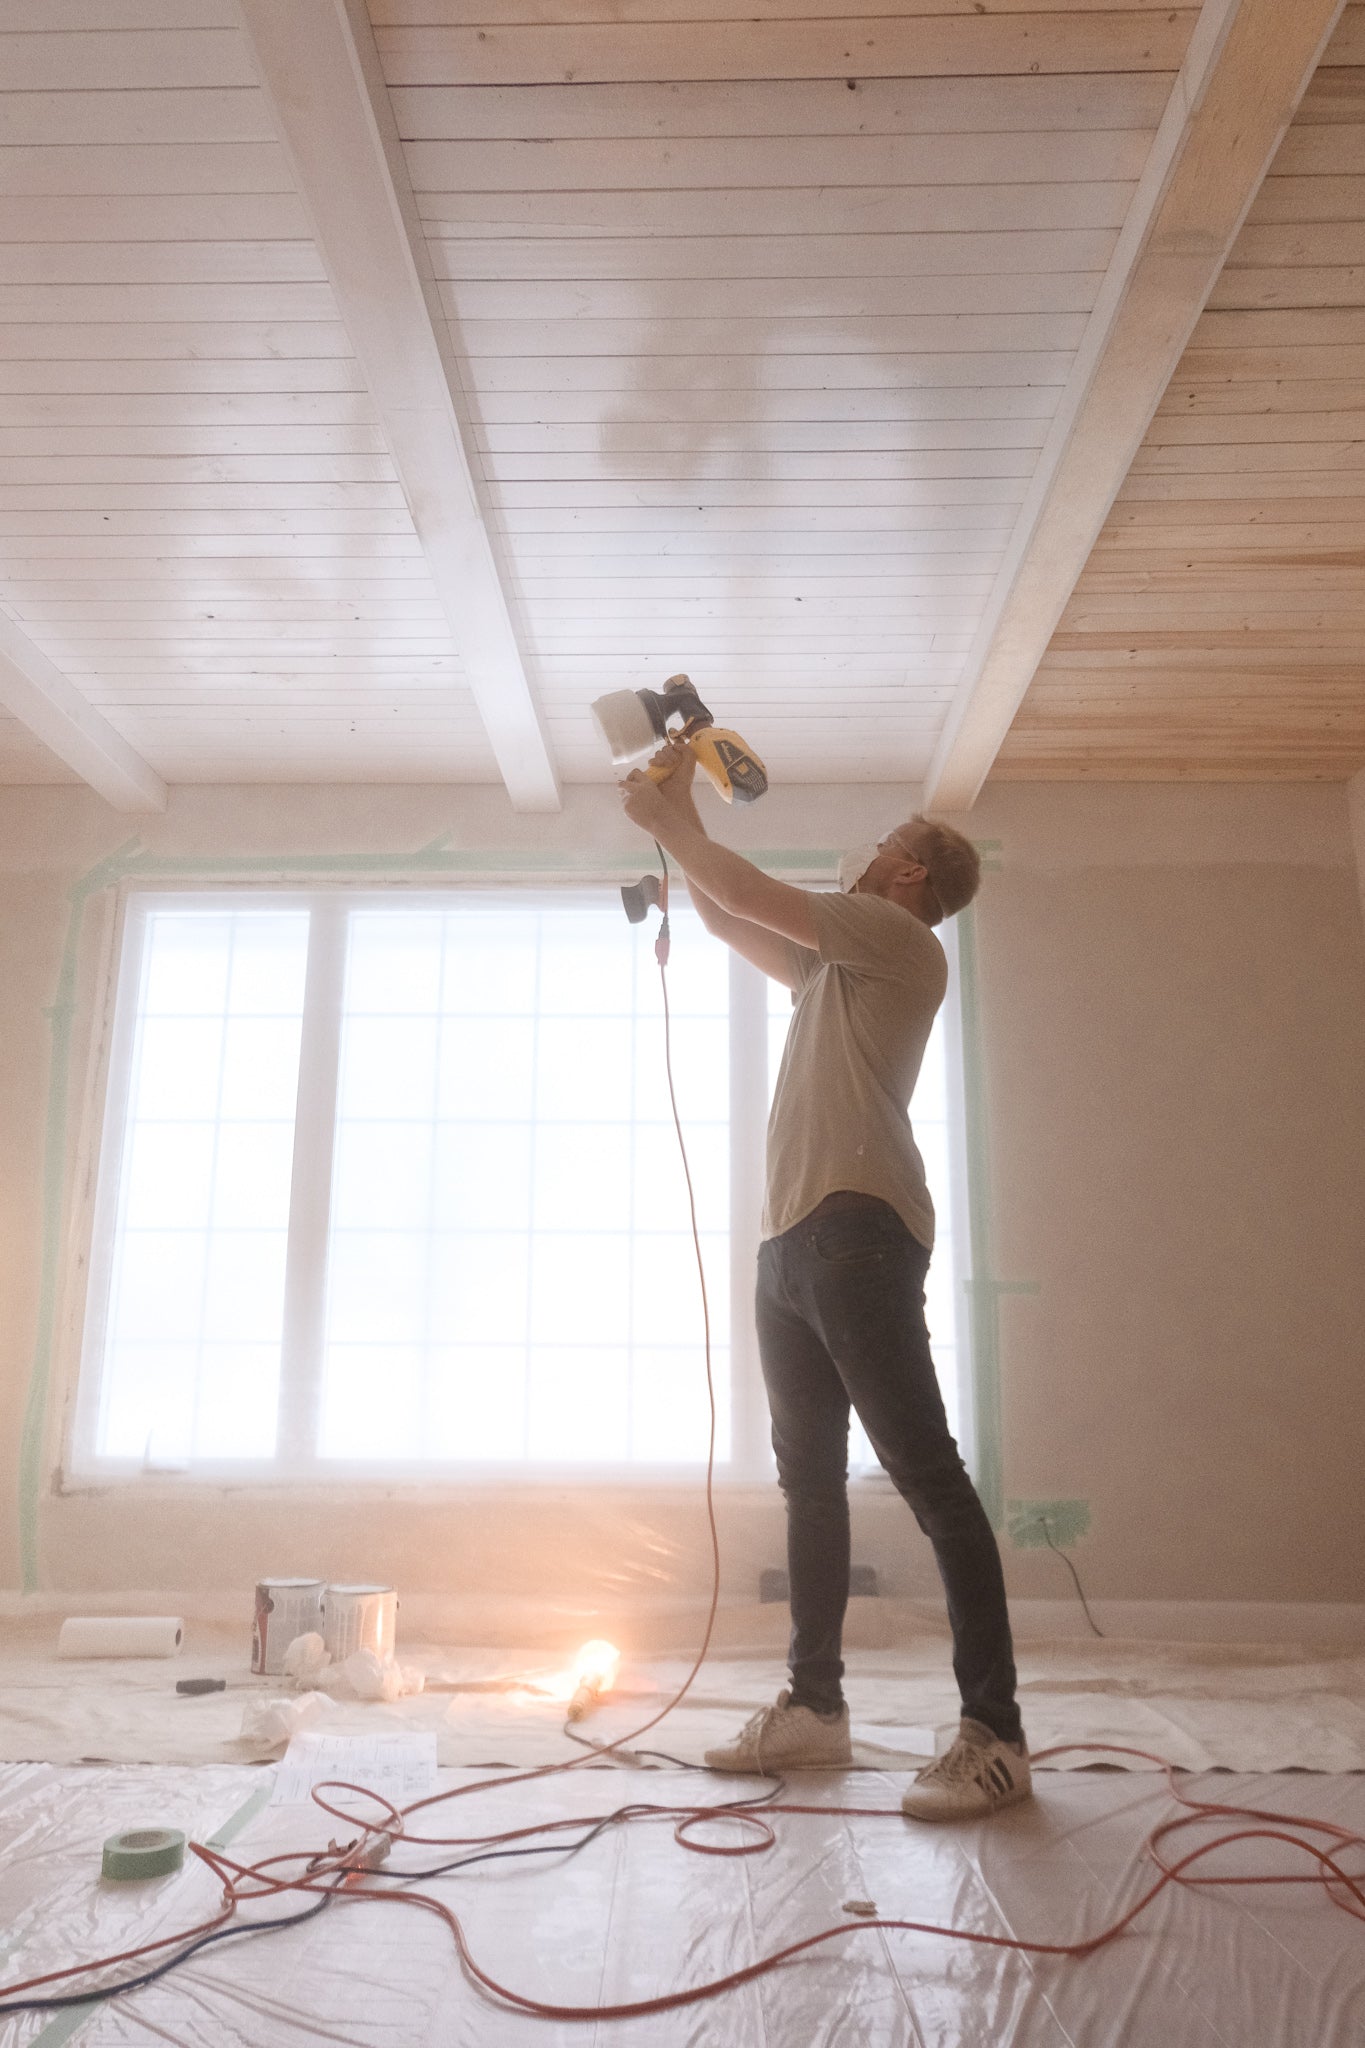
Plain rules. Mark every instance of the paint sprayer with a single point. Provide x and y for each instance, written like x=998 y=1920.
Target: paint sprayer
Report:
x=634 y=723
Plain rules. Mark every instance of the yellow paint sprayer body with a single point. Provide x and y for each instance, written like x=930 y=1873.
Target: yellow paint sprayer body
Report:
x=635 y=722
x=735 y=772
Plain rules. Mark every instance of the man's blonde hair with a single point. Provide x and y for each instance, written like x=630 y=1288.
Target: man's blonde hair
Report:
x=952 y=862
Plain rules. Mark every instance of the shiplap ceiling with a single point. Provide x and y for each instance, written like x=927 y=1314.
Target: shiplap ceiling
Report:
x=1217 y=630
x=757 y=317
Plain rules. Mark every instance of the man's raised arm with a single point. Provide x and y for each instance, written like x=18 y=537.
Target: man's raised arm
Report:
x=737 y=902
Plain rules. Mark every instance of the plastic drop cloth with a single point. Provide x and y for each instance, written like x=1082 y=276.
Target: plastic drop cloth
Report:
x=633 y=1915
x=1242 y=1707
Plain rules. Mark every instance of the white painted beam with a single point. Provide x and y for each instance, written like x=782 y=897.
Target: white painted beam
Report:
x=1247 y=67
x=34 y=690
x=319 y=68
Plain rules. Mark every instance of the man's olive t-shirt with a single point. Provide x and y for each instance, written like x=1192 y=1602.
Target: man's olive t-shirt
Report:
x=864 y=1005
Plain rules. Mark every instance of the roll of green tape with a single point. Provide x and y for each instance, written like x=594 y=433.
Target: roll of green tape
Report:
x=143 y=1852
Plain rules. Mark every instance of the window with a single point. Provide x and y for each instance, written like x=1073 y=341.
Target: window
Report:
x=390 y=1183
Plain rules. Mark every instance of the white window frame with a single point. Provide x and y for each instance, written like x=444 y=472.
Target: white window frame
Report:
x=329 y=903
x=960 y=1196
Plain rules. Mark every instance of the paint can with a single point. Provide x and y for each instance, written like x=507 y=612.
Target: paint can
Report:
x=359 y=1618
x=285 y=1608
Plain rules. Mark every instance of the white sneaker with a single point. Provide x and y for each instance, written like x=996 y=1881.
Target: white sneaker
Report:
x=787 y=1738
x=974 y=1778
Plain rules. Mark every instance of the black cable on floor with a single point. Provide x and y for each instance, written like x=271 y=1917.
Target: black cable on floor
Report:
x=60 y=2001
x=1075 y=1575
x=599 y=1827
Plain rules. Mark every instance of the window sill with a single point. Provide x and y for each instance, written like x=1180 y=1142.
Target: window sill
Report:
x=448 y=1485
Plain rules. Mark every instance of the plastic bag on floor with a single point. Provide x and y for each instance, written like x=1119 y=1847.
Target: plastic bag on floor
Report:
x=370 y=1677
x=269 y=1723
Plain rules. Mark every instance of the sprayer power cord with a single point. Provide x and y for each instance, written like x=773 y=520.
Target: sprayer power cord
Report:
x=1075 y=1575
x=341 y=1877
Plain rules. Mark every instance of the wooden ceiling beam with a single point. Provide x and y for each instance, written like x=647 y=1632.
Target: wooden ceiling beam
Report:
x=35 y=691
x=319 y=68
x=1248 y=65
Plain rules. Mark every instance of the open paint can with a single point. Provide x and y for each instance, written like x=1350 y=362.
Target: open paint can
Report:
x=359 y=1618
x=285 y=1608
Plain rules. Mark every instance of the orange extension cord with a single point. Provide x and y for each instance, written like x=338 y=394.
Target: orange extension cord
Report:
x=343 y=1871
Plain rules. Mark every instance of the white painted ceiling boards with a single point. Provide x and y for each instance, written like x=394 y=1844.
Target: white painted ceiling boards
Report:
x=378 y=386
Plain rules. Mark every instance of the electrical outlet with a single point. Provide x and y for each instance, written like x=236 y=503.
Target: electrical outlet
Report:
x=1031 y=1523
x=773 y=1585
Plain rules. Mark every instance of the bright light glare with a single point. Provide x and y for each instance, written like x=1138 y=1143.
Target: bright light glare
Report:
x=597 y=1666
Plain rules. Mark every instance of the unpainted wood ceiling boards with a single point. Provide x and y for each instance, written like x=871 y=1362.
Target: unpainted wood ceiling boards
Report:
x=765 y=312
x=1217 y=629
x=1249 y=63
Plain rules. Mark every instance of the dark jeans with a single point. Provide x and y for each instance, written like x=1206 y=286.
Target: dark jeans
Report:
x=841 y=1323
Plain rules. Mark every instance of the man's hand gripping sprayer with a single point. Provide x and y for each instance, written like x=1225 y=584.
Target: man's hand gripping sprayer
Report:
x=634 y=723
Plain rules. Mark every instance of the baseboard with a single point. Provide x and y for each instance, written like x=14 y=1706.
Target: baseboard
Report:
x=673 y=1624
x=1195 y=1621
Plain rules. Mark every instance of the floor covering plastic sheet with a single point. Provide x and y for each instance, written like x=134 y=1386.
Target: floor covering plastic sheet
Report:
x=634 y=1915
x=1240 y=1707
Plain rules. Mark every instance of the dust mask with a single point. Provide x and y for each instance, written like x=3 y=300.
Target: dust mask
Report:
x=853 y=865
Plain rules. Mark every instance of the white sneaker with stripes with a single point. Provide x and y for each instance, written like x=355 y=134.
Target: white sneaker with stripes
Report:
x=787 y=1738
x=973 y=1779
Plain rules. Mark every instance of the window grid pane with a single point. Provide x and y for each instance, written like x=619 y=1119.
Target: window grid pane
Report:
x=192 y=1340
x=511 y=1271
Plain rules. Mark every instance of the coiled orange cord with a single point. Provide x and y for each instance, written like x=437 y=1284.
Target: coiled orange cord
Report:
x=352 y=1872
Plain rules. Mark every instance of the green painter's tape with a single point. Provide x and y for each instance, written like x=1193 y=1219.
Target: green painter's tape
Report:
x=64 y=2025
x=54 y=1152
x=137 y=1853
x=245 y=1814
x=983 y=1289
x=1038 y=1524
x=131 y=860
x=983 y=1304
x=105 y=874
x=436 y=858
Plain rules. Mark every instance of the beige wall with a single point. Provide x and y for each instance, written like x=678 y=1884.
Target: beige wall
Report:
x=1173 y=984
x=1174 y=991
x=1355 y=803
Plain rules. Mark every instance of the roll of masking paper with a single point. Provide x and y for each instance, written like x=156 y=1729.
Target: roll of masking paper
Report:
x=121 y=1635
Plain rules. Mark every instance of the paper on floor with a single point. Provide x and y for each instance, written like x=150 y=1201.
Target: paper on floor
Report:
x=400 y=1768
